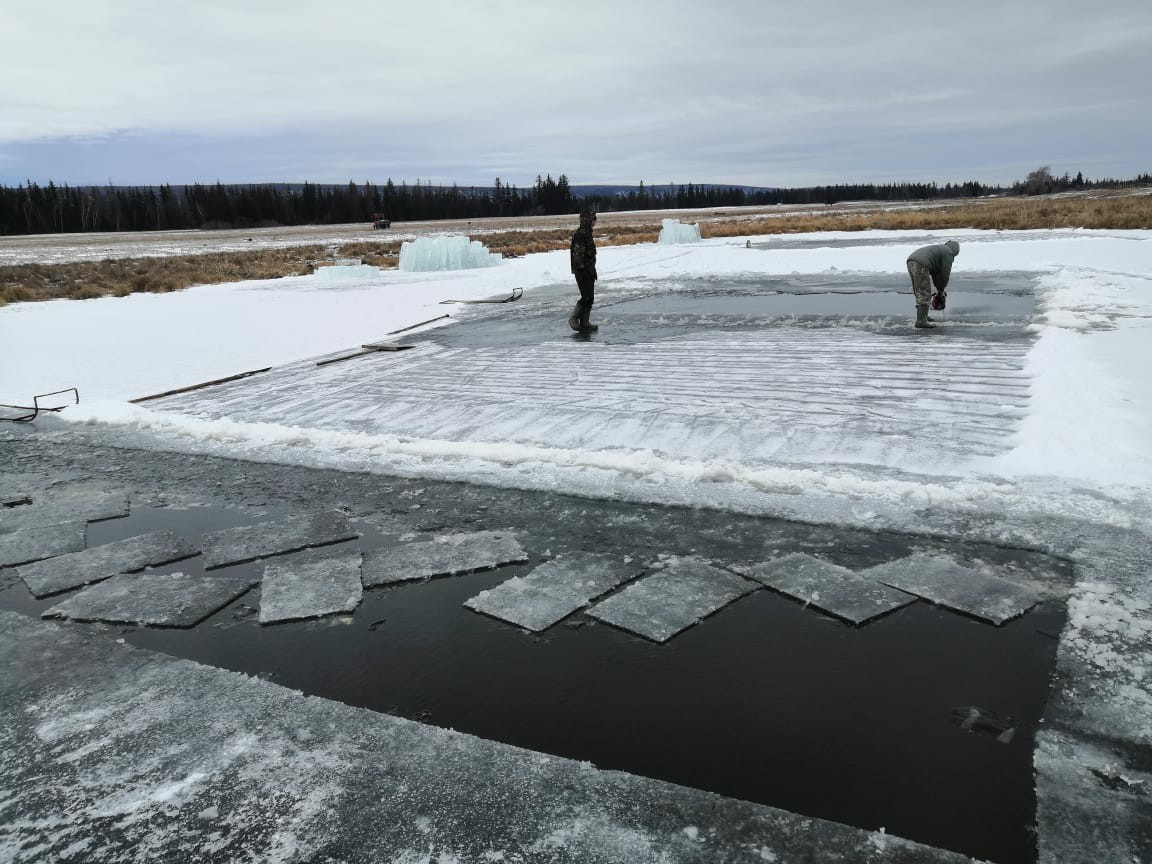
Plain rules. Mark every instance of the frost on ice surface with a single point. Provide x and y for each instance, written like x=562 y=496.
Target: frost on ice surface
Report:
x=450 y=555
x=833 y=589
x=552 y=591
x=1108 y=642
x=660 y=606
x=675 y=231
x=100 y=562
x=1091 y=792
x=946 y=583
x=64 y=505
x=445 y=253
x=279 y=537
x=310 y=585
x=158 y=599
x=35 y=544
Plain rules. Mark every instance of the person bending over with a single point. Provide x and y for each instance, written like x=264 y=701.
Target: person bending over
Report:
x=928 y=266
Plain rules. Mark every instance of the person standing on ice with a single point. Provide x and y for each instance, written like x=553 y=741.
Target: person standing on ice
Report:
x=584 y=269
x=928 y=266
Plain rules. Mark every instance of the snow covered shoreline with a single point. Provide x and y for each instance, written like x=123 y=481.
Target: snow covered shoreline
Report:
x=1085 y=427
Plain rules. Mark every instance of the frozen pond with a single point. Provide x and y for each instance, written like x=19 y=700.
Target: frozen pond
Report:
x=760 y=370
x=766 y=699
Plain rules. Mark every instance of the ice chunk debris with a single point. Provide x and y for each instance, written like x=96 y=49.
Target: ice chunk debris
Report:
x=445 y=253
x=450 y=555
x=946 y=583
x=310 y=585
x=552 y=591
x=74 y=569
x=660 y=606
x=35 y=544
x=158 y=599
x=832 y=589
x=675 y=231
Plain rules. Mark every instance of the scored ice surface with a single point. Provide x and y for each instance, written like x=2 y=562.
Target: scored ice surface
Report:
x=158 y=599
x=310 y=585
x=101 y=562
x=552 y=591
x=946 y=583
x=445 y=556
x=660 y=606
x=277 y=537
x=830 y=588
x=35 y=544
x=64 y=505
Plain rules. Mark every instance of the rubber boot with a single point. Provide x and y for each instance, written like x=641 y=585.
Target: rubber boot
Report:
x=574 y=318
x=922 y=319
x=585 y=326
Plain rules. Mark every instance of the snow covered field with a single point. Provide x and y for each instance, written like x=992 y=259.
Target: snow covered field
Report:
x=781 y=377
x=1065 y=406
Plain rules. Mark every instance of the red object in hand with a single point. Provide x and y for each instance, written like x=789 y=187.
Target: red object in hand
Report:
x=938 y=301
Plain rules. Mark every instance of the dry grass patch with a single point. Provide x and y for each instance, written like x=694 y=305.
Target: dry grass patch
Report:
x=997 y=214
x=118 y=278
x=84 y=280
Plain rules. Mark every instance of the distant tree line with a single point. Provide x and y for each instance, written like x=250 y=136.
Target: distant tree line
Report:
x=34 y=209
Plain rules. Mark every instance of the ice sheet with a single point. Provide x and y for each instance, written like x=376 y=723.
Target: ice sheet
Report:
x=157 y=599
x=310 y=585
x=100 y=562
x=277 y=537
x=660 y=606
x=553 y=591
x=947 y=584
x=35 y=544
x=830 y=588
x=444 y=556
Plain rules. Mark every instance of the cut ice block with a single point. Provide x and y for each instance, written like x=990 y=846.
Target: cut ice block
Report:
x=278 y=537
x=660 y=606
x=64 y=505
x=35 y=544
x=310 y=585
x=675 y=231
x=552 y=591
x=946 y=583
x=101 y=562
x=158 y=599
x=830 y=588
x=445 y=556
x=445 y=253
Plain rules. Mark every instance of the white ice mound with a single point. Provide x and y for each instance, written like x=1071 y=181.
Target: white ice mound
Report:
x=445 y=253
x=675 y=231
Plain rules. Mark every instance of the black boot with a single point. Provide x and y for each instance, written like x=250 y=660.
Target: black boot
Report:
x=922 y=319
x=585 y=326
x=574 y=318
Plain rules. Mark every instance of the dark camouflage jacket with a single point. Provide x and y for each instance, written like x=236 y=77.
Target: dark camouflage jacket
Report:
x=584 y=251
x=938 y=259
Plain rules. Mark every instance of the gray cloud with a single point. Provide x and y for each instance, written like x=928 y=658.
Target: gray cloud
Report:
x=749 y=92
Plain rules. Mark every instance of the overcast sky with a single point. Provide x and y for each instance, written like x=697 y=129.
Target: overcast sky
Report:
x=758 y=93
